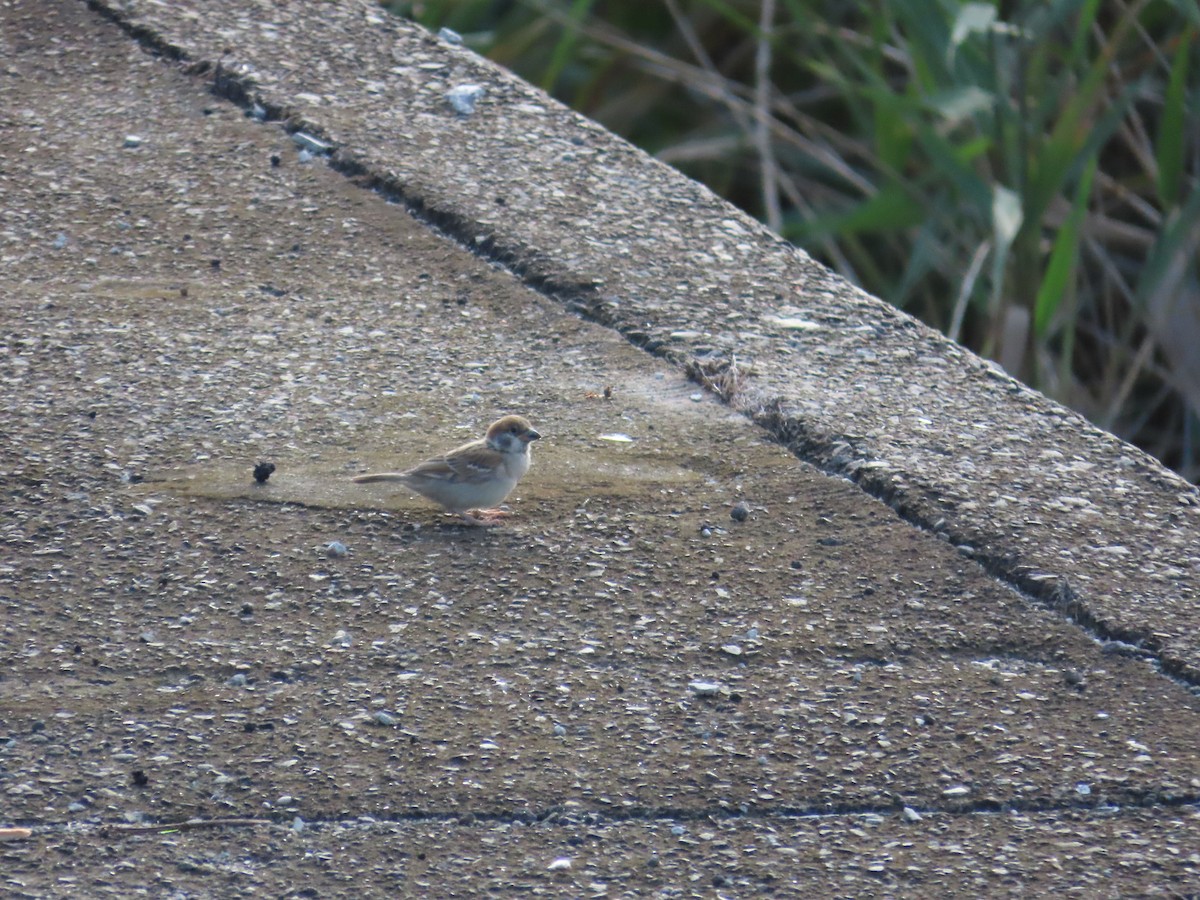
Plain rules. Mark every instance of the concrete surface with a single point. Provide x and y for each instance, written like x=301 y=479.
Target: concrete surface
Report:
x=330 y=690
x=841 y=378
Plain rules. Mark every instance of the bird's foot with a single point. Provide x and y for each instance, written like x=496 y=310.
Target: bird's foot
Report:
x=484 y=518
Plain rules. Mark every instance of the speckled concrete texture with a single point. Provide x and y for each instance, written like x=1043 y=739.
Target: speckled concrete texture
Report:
x=307 y=687
x=1039 y=496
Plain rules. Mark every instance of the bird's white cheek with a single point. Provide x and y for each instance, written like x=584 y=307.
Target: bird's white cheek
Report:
x=503 y=443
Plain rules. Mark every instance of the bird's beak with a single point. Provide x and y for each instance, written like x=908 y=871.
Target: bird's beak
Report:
x=530 y=435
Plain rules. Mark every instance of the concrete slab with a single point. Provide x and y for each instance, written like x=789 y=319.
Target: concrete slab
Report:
x=346 y=694
x=844 y=380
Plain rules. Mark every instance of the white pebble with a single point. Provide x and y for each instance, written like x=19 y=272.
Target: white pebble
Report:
x=464 y=97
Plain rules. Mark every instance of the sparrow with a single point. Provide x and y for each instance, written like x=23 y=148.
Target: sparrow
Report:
x=474 y=477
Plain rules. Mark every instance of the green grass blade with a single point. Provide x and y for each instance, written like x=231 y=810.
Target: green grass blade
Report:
x=951 y=165
x=1091 y=9
x=1064 y=149
x=1171 y=138
x=1058 y=284
x=566 y=45
x=741 y=23
x=892 y=208
x=1174 y=249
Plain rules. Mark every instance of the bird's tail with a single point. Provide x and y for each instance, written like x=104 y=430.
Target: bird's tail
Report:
x=380 y=476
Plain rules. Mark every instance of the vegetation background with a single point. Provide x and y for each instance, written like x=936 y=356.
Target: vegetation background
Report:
x=1020 y=175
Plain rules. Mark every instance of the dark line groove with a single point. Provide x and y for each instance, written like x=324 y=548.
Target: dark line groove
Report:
x=556 y=815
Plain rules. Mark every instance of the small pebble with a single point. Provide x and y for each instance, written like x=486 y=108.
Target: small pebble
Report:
x=560 y=864
x=263 y=471
x=238 y=680
x=297 y=824
x=911 y=815
x=385 y=718
x=740 y=511
x=60 y=242
x=450 y=36
x=341 y=639
x=790 y=323
x=133 y=140
x=464 y=97
x=315 y=146
x=336 y=548
x=704 y=688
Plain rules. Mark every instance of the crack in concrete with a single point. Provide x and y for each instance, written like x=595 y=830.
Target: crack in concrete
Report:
x=559 y=815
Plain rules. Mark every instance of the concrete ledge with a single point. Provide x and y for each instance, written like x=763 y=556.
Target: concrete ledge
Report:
x=1090 y=525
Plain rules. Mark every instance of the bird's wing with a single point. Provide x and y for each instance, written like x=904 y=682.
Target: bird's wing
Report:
x=469 y=464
